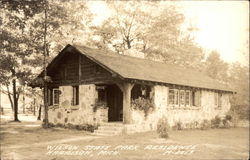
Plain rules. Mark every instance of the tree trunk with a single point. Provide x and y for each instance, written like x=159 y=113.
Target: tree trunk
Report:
x=34 y=107
x=15 y=99
x=39 y=112
x=46 y=118
x=9 y=96
x=23 y=102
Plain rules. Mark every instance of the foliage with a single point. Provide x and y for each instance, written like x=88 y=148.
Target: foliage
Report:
x=158 y=34
x=163 y=128
x=85 y=127
x=205 y=124
x=22 y=38
x=236 y=77
x=239 y=81
x=143 y=104
x=178 y=126
x=215 y=123
x=215 y=67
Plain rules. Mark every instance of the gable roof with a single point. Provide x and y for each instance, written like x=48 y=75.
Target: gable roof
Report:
x=142 y=69
x=147 y=70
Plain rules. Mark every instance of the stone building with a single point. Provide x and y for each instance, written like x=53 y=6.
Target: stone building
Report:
x=90 y=86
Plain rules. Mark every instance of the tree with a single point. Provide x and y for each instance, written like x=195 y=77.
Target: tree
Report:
x=158 y=34
x=15 y=50
x=216 y=68
x=239 y=81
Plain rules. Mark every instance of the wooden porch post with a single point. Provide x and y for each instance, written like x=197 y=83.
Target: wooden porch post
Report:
x=126 y=90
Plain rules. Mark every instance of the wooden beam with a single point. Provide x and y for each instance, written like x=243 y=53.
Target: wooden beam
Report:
x=126 y=90
x=79 y=67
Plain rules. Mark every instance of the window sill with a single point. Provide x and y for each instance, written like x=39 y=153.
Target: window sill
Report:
x=53 y=106
x=183 y=108
x=75 y=107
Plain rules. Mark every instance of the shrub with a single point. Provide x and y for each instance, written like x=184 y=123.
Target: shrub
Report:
x=233 y=117
x=143 y=105
x=228 y=117
x=178 y=126
x=215 y=123
x=163 y=128
x=205 y=125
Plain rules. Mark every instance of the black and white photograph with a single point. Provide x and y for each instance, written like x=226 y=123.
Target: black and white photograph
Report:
x=124 y=80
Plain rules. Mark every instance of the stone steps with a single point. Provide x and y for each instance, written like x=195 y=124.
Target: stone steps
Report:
x=109 y=129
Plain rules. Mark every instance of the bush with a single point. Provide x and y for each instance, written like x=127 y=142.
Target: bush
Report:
x=215 y=123
x=178 y=126
x=143 y=104
x=233 y=117
x=205 y=125
x=163 y=128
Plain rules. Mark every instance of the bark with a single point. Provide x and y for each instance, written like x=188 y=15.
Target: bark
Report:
x=34 y=113
x=23 y=102
x=46 y=118
x=39 y=112
x=9 y=96
x=15 y=99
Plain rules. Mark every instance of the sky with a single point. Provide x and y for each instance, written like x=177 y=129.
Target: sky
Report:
x=221 y=25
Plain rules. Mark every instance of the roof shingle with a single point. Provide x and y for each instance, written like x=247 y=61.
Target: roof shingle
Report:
x=147 y=70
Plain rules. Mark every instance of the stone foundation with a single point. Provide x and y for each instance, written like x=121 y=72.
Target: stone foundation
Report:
x=80 y=114
x=185 y=115
x=84 y=113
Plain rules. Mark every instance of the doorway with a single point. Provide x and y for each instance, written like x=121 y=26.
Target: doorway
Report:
x=114 y=103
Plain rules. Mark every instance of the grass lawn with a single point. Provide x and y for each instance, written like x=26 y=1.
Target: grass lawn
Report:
x=27 y=140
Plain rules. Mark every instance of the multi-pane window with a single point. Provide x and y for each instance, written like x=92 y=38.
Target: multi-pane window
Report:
x=53 y=96
x=56 y=93
x=75 y=97
x=182 y=97
x=176 y=95
x=187 y=98
x=171 y=97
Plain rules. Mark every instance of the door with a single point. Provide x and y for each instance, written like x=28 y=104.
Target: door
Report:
x=115 y=103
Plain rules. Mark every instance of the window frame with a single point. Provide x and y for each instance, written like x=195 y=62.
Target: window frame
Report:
x=184 y=104
x=216 y=99
x=53 y=96
x=189 y=98
x=173 y=100
x=176 y=97
x=75 y=95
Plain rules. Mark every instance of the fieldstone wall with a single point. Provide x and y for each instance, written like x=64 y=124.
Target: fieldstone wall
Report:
x=81 y=114
x=185 y=115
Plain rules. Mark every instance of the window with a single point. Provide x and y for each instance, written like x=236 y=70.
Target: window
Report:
x=75 y=100
x=218 y=100
x=176 y=96
x=56 y=93
x=182 y=97
x=171 y=97
x=196 y=98
x=101 y=94
x=50 y=97
x=187 y=98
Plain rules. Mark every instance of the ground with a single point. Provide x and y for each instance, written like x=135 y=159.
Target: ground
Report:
x=28 y=140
